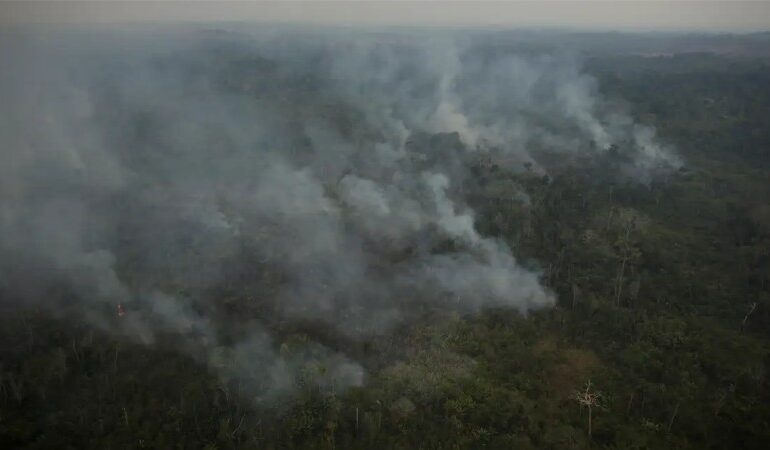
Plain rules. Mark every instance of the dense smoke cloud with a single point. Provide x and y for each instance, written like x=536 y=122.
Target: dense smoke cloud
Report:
x=308 y=178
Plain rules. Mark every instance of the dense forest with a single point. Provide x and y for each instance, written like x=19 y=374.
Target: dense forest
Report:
x=653 y=330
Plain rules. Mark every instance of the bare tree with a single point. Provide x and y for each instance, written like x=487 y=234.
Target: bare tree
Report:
x=589 y=399
x=748 y=314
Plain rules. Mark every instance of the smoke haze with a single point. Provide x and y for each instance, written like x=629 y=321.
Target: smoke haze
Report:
x=215 y=184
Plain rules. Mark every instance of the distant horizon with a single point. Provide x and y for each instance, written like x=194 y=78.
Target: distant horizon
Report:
x=732 y=16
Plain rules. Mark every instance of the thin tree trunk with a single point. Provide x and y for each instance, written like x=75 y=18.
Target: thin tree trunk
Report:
x=619 y=287
x=673 y=417
x=630 y=402
x=235 y=431
x=75 y=350
x=622 y=272
x=748 y=314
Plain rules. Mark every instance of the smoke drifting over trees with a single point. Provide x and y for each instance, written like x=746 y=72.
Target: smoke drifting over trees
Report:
x=310 y=178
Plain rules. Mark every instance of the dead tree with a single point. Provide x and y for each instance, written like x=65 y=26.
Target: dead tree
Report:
x=748 y=314
x=589 y=399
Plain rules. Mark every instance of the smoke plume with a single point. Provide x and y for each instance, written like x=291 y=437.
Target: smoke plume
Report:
x=217 y=184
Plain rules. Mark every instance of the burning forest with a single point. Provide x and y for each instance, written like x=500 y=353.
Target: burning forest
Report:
x=285 y=210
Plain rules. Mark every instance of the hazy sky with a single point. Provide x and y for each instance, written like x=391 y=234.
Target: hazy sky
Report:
x=619 y=14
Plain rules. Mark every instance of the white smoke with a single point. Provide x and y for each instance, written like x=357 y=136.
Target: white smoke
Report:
x=314 y=178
